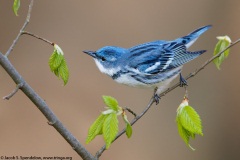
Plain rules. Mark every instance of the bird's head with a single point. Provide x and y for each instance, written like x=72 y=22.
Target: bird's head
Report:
x=107 y=59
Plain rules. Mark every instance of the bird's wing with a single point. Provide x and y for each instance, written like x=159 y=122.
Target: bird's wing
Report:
x=160 y=56
x=154 y=58
x=181 y=55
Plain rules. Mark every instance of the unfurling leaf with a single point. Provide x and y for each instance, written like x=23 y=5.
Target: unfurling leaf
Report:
x=58 y=64
x=16 y=6
x=107 y=123
x=110 y=129
x=223 y=42
x=188 y=122
x=55 y=60
x=111 y=103
x=63 y=71
x=128 y=125
x=128 y=130
x=185 y=134
x=109 y=111
x=96 y=128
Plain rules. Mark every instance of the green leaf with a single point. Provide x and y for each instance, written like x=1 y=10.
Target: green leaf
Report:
x=110 y=128
x=16 y=6
x=223 y=42
x=96 y=128
x=128 y=125
x=64 y=72
x=111 y=102
x=58 y=64
x=128 y=130
x=190 y=120
x=52 y=64
x=185 y=134
x=55 y=60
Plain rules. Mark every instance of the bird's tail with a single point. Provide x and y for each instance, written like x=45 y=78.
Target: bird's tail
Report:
x=193 y=55
x=193 y=36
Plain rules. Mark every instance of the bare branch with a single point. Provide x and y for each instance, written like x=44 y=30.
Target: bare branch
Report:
x=35 y=98
x=99 y=153
x=13 y=92
x=130 y=111
x=36 y=36
x=22 y=29
x=44 y=108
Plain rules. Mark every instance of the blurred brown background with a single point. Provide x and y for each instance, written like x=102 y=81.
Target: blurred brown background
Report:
x=78 y=25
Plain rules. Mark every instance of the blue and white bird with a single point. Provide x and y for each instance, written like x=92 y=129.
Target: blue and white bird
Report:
x=150 y=65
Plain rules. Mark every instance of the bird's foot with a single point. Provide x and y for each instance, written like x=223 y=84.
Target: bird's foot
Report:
x=183 y=82
x=156 y=97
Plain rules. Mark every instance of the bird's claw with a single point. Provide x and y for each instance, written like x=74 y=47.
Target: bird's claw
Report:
x=183 y=81
x=156 y=98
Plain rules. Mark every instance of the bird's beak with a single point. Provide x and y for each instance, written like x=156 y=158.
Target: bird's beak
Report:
x=90 y=53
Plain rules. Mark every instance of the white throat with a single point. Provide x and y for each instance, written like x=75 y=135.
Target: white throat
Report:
x=107 y=71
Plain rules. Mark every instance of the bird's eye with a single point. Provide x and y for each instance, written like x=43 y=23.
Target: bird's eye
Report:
x=103 y=59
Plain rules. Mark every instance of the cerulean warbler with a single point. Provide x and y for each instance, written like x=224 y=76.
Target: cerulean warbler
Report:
x=149 y=65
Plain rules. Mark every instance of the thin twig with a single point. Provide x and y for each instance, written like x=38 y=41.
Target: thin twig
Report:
x=99 y=153
x=131 y=111
x=21 y=30
x=13 y=92
x=38 y=37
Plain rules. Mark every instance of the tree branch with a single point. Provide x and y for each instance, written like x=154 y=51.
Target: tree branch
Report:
x=99 y=153
x=21 y=30
x=43 y=107
x=36 y=36
x=35 y=98
x=13 y=92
